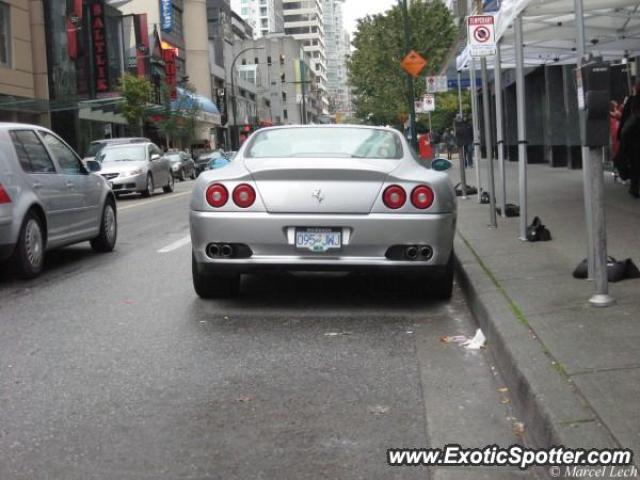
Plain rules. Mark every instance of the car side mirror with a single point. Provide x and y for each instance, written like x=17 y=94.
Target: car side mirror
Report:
x=93 y=166
x=441 y=164
x=155 y=156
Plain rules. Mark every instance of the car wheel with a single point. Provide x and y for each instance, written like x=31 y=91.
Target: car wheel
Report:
x=212 y=285
x=29 y=254
x=106 y=239
x=442 y=286
x=148 y=191
x=168 y=188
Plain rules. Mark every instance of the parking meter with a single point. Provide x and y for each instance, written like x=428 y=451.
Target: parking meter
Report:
x=593 y=99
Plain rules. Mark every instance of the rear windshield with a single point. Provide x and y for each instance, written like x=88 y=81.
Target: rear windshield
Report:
x=122 y=154
x=324 y=142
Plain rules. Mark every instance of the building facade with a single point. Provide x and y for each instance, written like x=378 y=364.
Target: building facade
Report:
x=304 y=20
x=24 y=89
x=338 y=43
x=264 y=16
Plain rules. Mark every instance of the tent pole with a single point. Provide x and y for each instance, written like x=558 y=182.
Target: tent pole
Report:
x=476 y=127
x=488 y=134
x=522 y=128
x=497 y=71
x=586 y=163
x=461 y=149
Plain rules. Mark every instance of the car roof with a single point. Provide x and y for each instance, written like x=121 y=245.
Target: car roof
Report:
x=333 y=125
x=123 y=145
x=122 y=140
x=21 y=125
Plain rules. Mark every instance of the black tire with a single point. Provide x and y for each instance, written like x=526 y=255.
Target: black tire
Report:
x=210 y=286
x=29 y=254
x=106 y=239
x=150 y=187
x=168 y=188
x=442 y=286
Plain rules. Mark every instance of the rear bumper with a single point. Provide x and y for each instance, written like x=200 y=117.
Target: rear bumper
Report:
x=366 y=239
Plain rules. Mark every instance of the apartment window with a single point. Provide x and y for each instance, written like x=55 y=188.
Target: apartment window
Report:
x=176 y=24
x=5 y=35
x=269 y=60
x=283 y=78
x=284 y=96
x=285 y=114
x=281 y=59
x=244 y=61
x=255 y=60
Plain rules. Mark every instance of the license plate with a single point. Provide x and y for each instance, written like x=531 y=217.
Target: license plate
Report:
x=318 y=240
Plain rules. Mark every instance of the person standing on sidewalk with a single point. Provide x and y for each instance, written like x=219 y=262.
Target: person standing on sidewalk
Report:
x=468 y=144
x=630 y=144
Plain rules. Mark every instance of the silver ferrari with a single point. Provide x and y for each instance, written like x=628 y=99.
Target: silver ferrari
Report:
x=317 y=198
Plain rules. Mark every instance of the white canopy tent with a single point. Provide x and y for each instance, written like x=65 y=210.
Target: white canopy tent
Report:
x=533 y=33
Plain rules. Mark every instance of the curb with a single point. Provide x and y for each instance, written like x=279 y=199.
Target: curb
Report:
x=546 y=401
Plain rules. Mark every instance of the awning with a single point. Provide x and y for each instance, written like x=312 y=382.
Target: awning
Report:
x=549 y=26
x=209 y=112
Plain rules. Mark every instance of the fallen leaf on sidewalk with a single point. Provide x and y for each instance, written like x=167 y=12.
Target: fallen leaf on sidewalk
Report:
x=379 y=409
x=244 y=399
x=503 y=389
x=504 y=401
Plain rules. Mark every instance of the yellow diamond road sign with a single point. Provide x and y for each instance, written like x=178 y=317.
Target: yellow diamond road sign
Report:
x=413 y=63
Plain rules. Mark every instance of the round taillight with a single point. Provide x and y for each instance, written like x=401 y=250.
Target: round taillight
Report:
x=244 y=195
x=217 y=195
x=394 y=197
x=422 y=197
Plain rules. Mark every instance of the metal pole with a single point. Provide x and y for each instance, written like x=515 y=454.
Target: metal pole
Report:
x=461 y=154
x=486 y=106
x=586 y=163
x=460 y=93
x=476 y=127
x=410 y=93
x=522 y=128
x=593 y=171
x=497 y=71
x=304 y=91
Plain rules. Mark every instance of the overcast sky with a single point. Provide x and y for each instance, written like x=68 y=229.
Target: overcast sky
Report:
x=354 y=9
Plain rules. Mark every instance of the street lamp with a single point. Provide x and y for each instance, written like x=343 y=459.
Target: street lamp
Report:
x=234 y=107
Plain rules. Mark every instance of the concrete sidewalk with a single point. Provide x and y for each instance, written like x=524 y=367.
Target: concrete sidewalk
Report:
x=573 y=370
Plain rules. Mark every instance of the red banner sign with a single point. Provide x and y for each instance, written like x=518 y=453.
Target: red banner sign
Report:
x=98 y=40
x=169 y=58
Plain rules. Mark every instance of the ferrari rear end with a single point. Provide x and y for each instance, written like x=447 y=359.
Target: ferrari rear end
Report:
x=322 y=198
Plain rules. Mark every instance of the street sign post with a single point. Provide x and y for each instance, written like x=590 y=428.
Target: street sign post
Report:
x=429 y=102
x=481 y=35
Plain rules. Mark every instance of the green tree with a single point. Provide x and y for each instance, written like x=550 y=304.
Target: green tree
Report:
x=178 y=119
x=380 y=90
x=447 y=107
x=136 y=93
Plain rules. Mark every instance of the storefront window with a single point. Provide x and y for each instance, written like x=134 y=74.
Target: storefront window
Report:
x=5 y=35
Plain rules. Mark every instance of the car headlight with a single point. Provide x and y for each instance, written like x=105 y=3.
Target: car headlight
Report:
x=137 y=171
x=175 y=168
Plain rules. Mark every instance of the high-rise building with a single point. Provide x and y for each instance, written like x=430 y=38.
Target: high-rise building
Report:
x=264 y=16
x=337 y=48
x=304 y=20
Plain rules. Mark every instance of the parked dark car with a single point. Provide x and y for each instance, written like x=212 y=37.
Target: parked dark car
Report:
x=182 y=165
x=203 y=161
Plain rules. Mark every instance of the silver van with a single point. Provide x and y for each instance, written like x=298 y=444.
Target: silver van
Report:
x=48 y=199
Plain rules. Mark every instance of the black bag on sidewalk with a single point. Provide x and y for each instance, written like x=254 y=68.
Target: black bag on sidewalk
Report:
x=510 y=210
x=471 y=190
x=485 y=198
x=616 y=270
x=537 y=232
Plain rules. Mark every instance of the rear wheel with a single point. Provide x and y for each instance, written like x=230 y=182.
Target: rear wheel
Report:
x=29 y=254
x=168 y=188
x=442 y=286
x=209 y=285
x=106 y=240
x=149 y=187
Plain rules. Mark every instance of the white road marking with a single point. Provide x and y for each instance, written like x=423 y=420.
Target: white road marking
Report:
x=176 y=245
x=154 y=200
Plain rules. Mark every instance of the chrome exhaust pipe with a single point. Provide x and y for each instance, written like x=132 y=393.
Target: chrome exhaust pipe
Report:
x=213 y=250
x=426 y=252
x=226 y=251
x=411 y=253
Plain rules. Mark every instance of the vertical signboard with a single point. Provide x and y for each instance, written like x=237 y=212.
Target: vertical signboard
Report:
x=481 y=35
x=99 y=47
x=166 y=15
x=170 y=73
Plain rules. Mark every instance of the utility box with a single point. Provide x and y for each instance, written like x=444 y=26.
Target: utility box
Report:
x=593 y=81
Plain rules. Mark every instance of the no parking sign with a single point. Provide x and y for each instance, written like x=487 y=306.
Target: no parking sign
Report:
x=481 y=35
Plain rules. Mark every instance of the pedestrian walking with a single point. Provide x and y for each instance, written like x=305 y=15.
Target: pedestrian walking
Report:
x=450 y=141
x=468 y=144
x=630 y=145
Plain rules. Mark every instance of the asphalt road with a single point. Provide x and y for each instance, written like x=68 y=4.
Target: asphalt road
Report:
x=112 y=368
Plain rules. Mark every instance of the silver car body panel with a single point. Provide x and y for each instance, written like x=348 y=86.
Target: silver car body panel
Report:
x=71 y=204
x=344 y=193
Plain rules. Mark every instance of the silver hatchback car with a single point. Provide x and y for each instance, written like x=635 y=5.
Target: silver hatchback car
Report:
x=48 y=199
